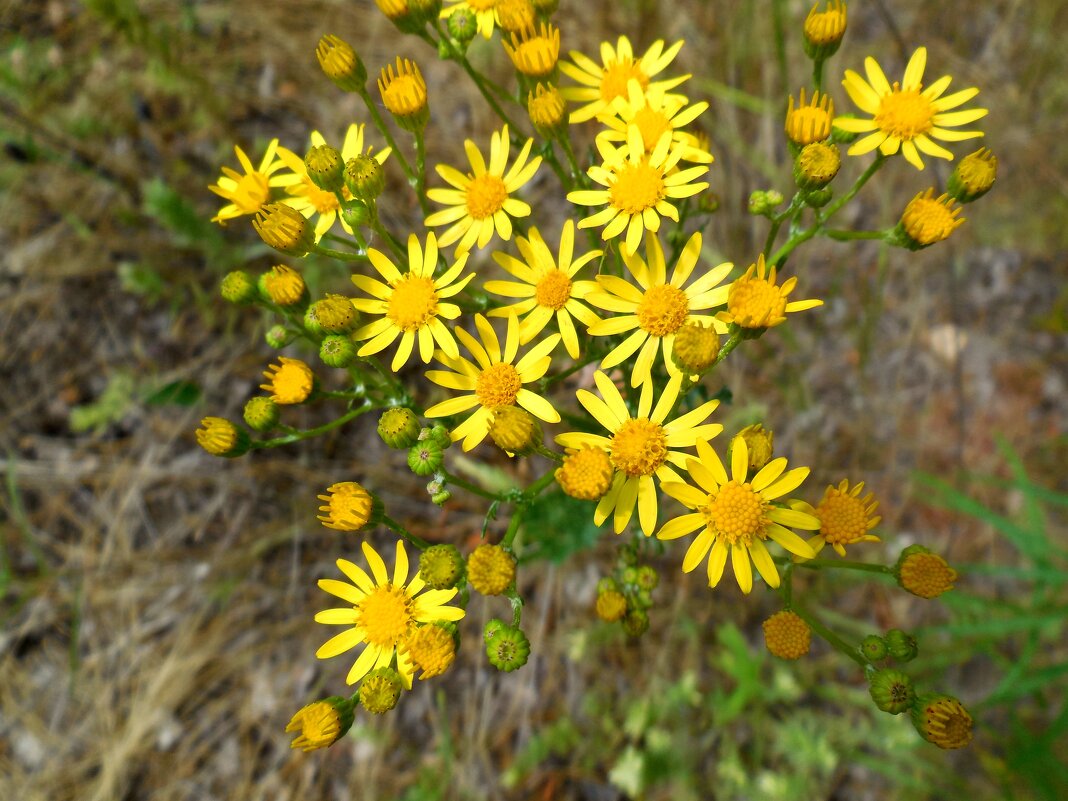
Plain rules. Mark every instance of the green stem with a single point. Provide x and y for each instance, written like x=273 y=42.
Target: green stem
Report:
x=343 y=240
x=420 y=175
x=513 y=527
x=778 y=220
x=341 y=255
x=397 y=528
x=297 y=436
x=380 y=124
x=846 y=236
x=844 y=564
x=833 y=639
x=728 y=346
x=578 y=176
x=832 y=209
x=817 y=74
x=481 y=83
x=390 y=240
x=455 y=480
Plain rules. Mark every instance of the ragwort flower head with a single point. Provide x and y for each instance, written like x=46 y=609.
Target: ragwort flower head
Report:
x=534 y=50
x=654 y=112
x=657 y=308
x=485 y=12
x=638 y=187
x=411 y=304
x=547 y=287
x=493 y=380
x=736 y=516
x=251 y=191
x=481 y=203
x=756 y=301
x=384 y=612
x=601 y=84
x=640 y=448
x=906 y=117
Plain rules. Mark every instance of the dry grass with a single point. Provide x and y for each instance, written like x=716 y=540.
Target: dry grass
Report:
x=155 y=636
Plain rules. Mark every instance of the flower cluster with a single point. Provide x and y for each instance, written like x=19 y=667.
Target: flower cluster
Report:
x=471 y=326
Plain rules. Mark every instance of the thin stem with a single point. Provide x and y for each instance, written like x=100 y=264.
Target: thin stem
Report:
x=342 y=255
x=397 y=528
x=833 y=639
x=420 y=174
x=728 y=346
x=832 y=209
x=817 y=74
x=513 y=527
x=578 y=176
x=481 y=83
x=343 y=240
x=394 y=245
x=455 y=480
x=844 y=564
x=778 y=220
x=297 y=436
x=380 y=124
x=846 y=236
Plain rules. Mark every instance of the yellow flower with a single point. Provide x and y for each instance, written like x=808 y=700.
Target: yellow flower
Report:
x=284 y=228
x=547 y=287
x=384 y=612
x=403 y=91
x=611 y=606
x=546 y=108
x=534 y=51
x=845 y=518
x=320 y=724
x=514 y=15
x=755 y=301
x=284 y=285
x=923 y=573
x=826 y=28
x=657 y=308
x=602 y=84
x=485 y=12
x=637 y=187
x=786 y=635
x=942 y=720
x=492 y=380
x=309 y=199
x=250 y=192
x=289 y=381
x=906 y=116
x=348 y=506
x=480 y=203
x=491 y=569
x=640 y=447
x=736 y=516
x=410 y=304
x=431 y=649
x=928 y=219
x=809 y=122
x=586 y=473
x=655 y=113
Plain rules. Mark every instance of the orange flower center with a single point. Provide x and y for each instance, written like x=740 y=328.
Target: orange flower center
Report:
x=554 y=290
x=639 y=447
x=652 y=124
x=737 y=512
x=905 y=115
x=485 y=196
x=637 y=187
x=498 y=385
x=616 y=75
x=843 y=518
x=663 y=310
x=756 y=303
x=412 y=303
x=385 y=615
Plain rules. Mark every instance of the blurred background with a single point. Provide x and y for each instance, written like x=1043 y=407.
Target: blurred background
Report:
x=156 y=603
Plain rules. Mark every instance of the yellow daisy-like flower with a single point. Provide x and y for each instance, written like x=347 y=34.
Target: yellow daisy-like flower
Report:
x=638 y=186
x=657 y=308
x=906 y=116
x=755 y=301
x=485 y=12
x=547 y=286
x=384 y=612
x=640 y=447
x=737 y=515
x=928 y=219
x=309 y=199
x=534 y=50
x=290 y=381
x=250 y=192
x=481 y=203
x=601 y=84
x=410 y=304
x=809 y=121
x=492 y=379
x=845 y=517
x=654 y=112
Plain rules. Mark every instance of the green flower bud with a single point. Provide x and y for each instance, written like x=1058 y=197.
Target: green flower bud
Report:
x=337 y=350
x=493 y=625
x=942 y=720
x=607 y=584
x=643 y=599
x=356 y=214
x=261 y=413
x=365 y=177
x=636 y=623
x=763 y=202
x=973 y=176
x=311 y=322
x=440 y=434
x=335 y=314
x=341 y=64
x=238 y=287
x=818 y=198
x=325 y=168
x=892 y=691
x=441 y=498
x=441 y=566
x=508 y=649
x=278 y=336
x=380 y=690
x=425 y=457
x=398 y=427
x=873 y=647
x=901 y=645
x=462 y=26
x=630 y=575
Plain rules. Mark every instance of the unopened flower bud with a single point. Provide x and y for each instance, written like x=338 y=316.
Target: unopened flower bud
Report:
x=355 y=213
x=973 y=176
x=759 y=443
x=337 y=350
x=462 y=26
x=425 y=457
x=278 y=336
x=364 y=177
x=515 y=431
x=923 y=573
x=648 y=578
x=874 y=648
x=636 y=623
x=508 y=649
x=441 y=566
x=942 y=720
x=335 y=314
x=219 y=437
x=786 y=635
x=325 y=168
x=341 y=64
x=586 y=474
x=261 y=413
x=491 y=569
x=283 y=286
x=403 y=91
x=348 y=507
x=380 y=690
x=891 y=690
x=824 y=30
x=238 y=287
x=816 y=165
x=431 y=648
x=927 y=220
x=547 y=109
x=398 y=427
x=696 y=347
x=321 y=723
x=611 y=606
x=901 y=645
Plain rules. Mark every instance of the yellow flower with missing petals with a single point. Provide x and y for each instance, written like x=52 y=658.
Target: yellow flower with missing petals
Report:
x=906 y=116
x=485 y=12
x=638 y=186
x=547 y=286
x=290 y=381
x=737 y=516
x=410 y=304
x=481 y=203
x=309 y=199
x=810 y=121
x=845 y=517
x=756 y=301
x=534 y=50
x=384 y=611
x=657 y=308
x=640 y=447
x=928 y=219
x=655 y=112
x=250 y=192
x=601 y=84
x=492 y=379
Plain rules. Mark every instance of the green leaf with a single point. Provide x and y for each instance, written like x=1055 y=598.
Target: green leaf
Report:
x=177 y=215
x=557 y=526
x=176 y=393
